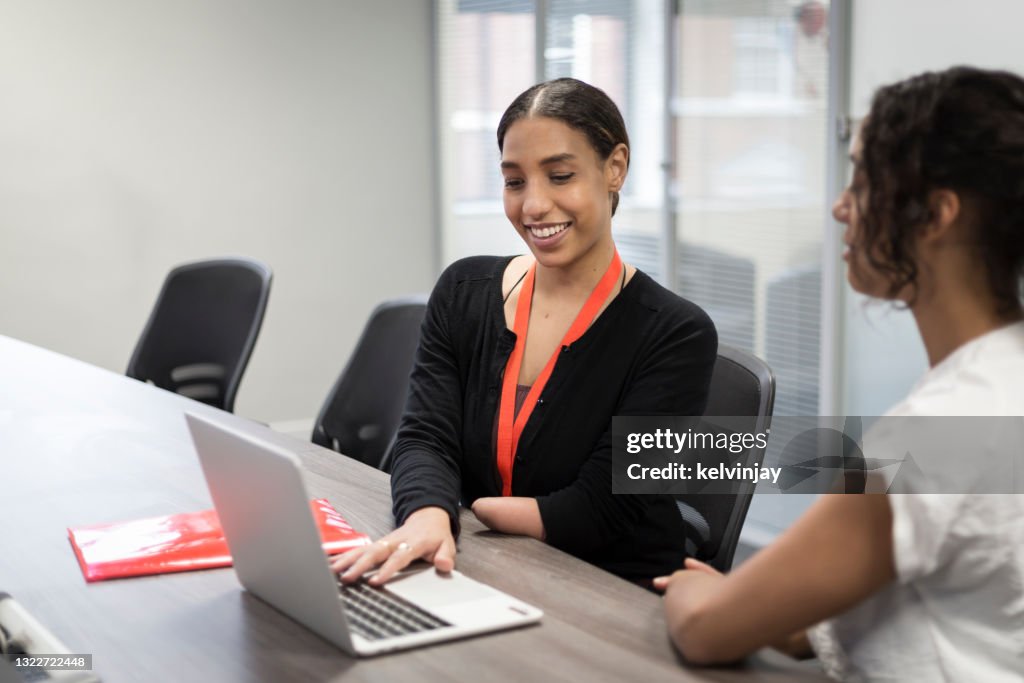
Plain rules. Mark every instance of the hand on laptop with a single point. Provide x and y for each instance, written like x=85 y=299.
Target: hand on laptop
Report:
x=426 y=535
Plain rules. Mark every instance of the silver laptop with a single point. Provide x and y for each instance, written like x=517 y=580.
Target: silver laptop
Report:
x=264 y=510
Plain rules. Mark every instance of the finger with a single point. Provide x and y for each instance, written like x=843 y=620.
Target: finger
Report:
x=348 y=558
x=662 y=582
x=373 y=555
x=403 y=554
x=444 y=557
x=697 y=565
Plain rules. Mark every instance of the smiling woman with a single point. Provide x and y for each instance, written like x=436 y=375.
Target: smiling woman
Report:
x=524 y=360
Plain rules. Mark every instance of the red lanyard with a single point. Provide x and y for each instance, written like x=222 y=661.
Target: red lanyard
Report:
x=509 y=429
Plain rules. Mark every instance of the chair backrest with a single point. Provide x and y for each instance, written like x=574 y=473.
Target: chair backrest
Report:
x=363 y=409
x=742 y=385
x=202 y=329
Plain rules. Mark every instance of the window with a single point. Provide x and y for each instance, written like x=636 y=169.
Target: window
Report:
x=760 y=64
x=749 y=119
x=485 y=59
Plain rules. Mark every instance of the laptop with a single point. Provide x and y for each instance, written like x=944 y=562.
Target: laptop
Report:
x=257 y=489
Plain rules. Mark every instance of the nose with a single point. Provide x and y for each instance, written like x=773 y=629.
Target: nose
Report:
x=537 y=202
x=841 y=207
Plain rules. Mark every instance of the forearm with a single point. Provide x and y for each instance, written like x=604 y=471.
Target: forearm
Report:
x=512 y=515
x=706 y=631
x=419 y=480
x=696 y=624
x=839 y=553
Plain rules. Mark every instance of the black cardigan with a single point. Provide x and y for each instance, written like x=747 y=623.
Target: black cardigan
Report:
x=650 y=353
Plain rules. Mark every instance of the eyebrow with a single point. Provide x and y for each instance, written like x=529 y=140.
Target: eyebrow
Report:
x=546 y=161
x=557 y=158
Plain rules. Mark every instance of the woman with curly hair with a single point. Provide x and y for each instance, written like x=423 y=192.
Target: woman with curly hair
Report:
x=913 y=587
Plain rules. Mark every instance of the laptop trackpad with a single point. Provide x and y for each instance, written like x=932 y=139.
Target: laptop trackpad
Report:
x=429 y=589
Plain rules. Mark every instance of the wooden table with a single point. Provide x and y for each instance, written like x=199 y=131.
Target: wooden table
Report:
x=80 y=445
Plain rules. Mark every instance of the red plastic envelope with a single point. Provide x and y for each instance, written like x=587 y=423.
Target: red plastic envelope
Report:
x=182 y=542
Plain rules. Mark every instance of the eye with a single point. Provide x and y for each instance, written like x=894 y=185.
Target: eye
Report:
x=513 y=183
x=561 y=178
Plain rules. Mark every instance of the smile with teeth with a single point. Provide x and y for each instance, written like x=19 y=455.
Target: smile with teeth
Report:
x=549 y=230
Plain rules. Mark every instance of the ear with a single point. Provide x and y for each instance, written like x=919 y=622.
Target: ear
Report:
x=947 y=210
x=616 y=166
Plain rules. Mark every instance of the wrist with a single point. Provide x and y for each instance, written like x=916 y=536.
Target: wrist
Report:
x=431 y=515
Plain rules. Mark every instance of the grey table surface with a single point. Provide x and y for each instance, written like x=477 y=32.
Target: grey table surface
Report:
x=80 y=445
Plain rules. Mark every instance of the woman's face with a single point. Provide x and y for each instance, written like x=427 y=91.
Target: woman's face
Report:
x=863 y=277
x=557 y=189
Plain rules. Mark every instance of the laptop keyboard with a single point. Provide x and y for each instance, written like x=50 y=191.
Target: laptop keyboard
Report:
x=375 y=613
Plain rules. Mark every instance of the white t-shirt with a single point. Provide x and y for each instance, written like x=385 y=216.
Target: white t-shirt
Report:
x=956 y=609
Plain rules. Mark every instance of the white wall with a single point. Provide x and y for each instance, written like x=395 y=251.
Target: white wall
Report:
x=890 y=41
x=137 y=134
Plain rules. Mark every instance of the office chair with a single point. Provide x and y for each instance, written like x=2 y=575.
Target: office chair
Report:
x=742 y=385
x=201 y=331
x=360 y=416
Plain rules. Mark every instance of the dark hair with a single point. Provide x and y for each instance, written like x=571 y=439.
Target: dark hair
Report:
x=961 y=129
x=577 y=105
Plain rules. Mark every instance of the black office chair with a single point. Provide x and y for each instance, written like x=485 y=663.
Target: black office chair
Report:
x=202 y=329
x=742 y=385
x=362 y=411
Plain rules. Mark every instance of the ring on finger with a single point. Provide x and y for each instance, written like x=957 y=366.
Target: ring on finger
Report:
x=403 y=546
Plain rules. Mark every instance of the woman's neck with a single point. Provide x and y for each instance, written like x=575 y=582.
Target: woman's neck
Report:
x=578 y=279
x=957 y=317
x=954 y=302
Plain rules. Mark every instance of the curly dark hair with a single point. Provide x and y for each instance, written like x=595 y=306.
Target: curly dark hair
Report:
x=578 y=105
x=961 y=129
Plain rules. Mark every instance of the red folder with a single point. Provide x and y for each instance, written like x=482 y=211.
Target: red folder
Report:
x=178 y=543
